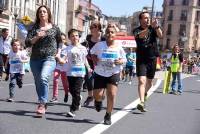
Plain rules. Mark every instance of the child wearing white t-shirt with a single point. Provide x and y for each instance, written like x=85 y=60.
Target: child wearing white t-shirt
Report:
x=60 y=70
x=16 y=58
x=76 y=63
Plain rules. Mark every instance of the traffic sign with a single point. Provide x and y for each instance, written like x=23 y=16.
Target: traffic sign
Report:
x=26 y=20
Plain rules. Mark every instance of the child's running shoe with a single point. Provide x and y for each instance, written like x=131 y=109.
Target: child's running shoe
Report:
x=66 y=98
x=87 y=101
x=54 y=100
x=10 y=99
x=98 y=105
x=71 y=113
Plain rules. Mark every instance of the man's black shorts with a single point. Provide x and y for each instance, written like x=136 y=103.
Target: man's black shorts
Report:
x=146 y=68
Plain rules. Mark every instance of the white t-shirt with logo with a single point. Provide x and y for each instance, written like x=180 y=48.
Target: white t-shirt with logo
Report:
x=16 y=66
x=106 y=55
x=76 y=56
x=63 y=54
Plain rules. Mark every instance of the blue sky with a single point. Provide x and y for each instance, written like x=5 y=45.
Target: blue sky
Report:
x=125 y=7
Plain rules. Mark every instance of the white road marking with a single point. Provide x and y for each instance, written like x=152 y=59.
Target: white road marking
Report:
x=98 y=129
x=198 y=80
x=31 y=84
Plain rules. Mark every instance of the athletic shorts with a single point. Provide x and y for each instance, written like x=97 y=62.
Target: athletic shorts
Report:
x=146 y=68
x=101 y=81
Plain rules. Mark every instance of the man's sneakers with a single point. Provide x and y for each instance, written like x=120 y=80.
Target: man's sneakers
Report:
x=98 y=105
x=107 y=119
x=141 y=107
x=87 y=101
x=71 y=113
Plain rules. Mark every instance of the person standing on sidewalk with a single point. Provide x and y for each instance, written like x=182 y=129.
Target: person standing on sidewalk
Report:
x=16 y=58
x=60 y=70
x=5 y=47
x=176 y=69
x=146 y=53
x=91 y=40
x=44 y=38
x=108 y=58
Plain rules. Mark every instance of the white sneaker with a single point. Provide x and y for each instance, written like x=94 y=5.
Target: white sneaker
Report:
x=129 y=82
x=71 y=114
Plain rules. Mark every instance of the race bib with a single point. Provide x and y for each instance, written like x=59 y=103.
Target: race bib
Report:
x=16 y=65
x=107 y=59
x=78 y=70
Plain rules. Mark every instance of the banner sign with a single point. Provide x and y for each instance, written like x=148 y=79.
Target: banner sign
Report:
x=126 y=41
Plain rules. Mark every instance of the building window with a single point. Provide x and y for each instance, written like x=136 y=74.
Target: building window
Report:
x=170 y=17
x=198 y=3
x=169 y=29
x=197 y=18
x=183 y=15
x=167 y=44
x=185 y=2
x=39 y=2
x=182 y=30
x=171 y=2
x=196 y=31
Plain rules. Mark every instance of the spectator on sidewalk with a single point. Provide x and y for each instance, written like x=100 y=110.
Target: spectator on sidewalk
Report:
x=5 y=47
x=176 y=69
x=44 y=38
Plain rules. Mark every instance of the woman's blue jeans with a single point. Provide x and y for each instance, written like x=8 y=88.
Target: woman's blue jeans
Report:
x=42 y=69
x=179 y=81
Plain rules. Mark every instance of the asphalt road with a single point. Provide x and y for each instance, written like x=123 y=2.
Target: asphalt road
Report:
x=166 y=113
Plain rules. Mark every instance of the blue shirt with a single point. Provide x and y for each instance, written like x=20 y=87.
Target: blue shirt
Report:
x=130 y=56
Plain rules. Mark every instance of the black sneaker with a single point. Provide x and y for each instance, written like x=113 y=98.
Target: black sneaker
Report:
x=107 y=119
x=66 y=98
x=141 y=107
x=10 y=99
x=87 y=101
x=98 y=105
x=20 y=86
x=71 y=114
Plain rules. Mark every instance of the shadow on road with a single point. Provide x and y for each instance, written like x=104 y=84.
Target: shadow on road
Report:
x=73 y=120
x=192 y=91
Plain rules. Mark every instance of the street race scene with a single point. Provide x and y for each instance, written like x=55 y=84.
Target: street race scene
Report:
x=99 y=66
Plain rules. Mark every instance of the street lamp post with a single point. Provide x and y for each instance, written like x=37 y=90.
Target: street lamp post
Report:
x=15 y=17
x=152 y=10
x=15 y=13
